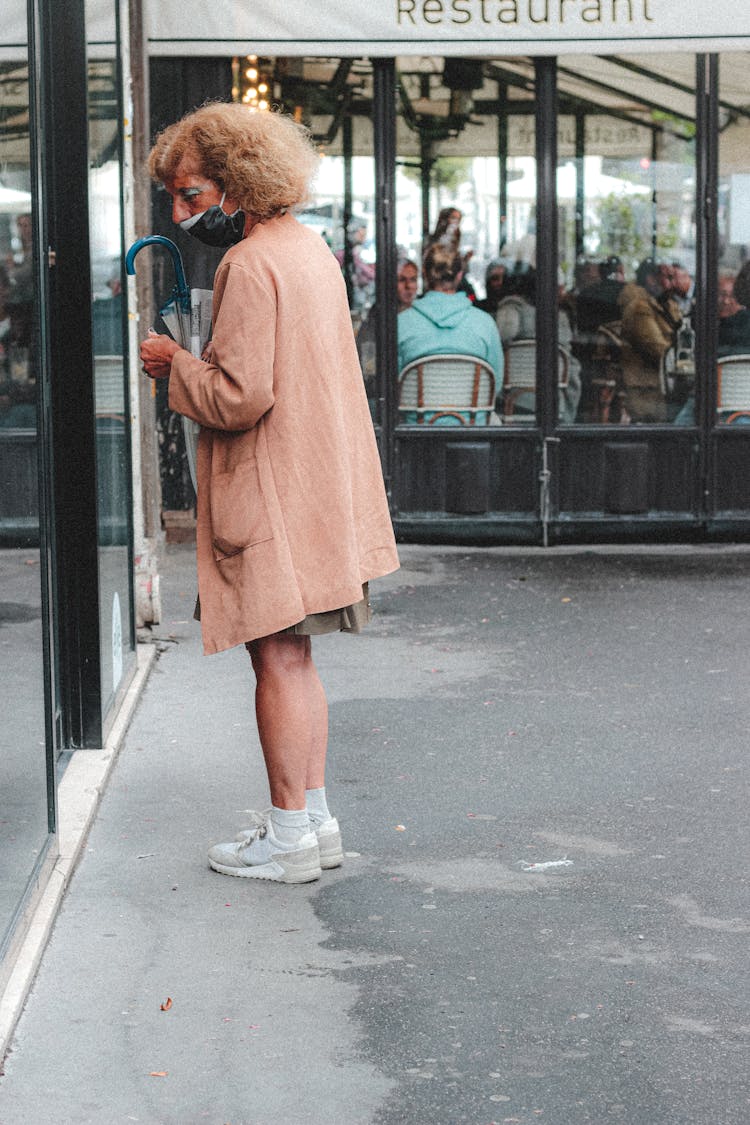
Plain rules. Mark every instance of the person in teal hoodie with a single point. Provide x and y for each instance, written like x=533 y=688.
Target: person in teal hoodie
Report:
x=443 y=321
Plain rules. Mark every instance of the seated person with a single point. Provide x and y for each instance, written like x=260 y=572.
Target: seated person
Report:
x=599 y=302
x=360 y=274
x=733 y=335
x=516 y=320
x=447 y=233
x=496 y=286
x=734 y=319
x=742 y=285
x=407 y=283
x=596 y=304
x=650 y=320
x=683 y=289
x=17 y=355
x=444 y=321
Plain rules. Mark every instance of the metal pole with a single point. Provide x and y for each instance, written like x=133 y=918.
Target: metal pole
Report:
x=502 y=156
x=546 y=242
x=346 y=143
x=706 y=267
x=654 y=193
x=425 y=165
x=384 y=133
x=580 y=181
x=546 y=292
x=147 y=531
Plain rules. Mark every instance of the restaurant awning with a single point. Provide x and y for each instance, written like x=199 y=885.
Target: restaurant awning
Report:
x=480 y=28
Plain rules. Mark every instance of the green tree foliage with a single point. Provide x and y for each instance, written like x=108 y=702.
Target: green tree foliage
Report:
x=623 y=224
x=448 y=173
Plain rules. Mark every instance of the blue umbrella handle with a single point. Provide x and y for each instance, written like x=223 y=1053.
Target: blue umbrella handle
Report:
x=181 y=290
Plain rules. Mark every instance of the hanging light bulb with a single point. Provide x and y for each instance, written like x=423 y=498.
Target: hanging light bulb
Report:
x=256 y=83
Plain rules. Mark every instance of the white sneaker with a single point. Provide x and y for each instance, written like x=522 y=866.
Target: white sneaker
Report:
x=259 y=855
x=327 y=834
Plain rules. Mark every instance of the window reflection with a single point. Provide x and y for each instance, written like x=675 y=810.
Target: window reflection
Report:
x=626 y=189
x=23 y=782
x=452 y=194
x=110 y=351
x=733 y=313
x=18 y=358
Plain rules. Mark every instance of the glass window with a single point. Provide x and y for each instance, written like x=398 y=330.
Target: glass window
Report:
x=110 y=351
x=466 y=191
x=23 y=787
x=626 y=190
x=733 y=313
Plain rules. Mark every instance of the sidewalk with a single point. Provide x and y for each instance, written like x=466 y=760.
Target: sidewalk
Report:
x=507 y=707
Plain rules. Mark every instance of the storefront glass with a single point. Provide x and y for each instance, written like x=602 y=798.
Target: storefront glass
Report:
x=627 y=238
x=109 y=344
x=733 y=313
x=23 y=785
x=466 y=186
x=583 y=180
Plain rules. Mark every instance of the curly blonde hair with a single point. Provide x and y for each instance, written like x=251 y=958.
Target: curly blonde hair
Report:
x=264 y=160
x=441 y=265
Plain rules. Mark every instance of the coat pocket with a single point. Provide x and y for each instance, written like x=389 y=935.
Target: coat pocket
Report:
x=239 y=518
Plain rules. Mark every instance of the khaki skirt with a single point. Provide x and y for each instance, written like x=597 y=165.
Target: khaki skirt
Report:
x=350 y=619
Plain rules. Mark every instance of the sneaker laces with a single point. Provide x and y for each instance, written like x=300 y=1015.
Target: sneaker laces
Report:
x=257 y=829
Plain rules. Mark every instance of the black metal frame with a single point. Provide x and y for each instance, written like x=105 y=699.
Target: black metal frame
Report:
x=129 y=515
x=707 y=177
x=37 y=95
x=71 y=353
x=384 y=106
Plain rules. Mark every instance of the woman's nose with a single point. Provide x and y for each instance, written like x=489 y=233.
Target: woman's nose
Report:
x=180 y=210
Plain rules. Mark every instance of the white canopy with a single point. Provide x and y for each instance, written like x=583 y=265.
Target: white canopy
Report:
x=479 y=28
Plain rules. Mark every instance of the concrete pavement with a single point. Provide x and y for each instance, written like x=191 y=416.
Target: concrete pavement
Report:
x=507 y=708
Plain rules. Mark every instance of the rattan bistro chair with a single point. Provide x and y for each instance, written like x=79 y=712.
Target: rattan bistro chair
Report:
x=733 y=388
x=519 y=380
x=446 y=390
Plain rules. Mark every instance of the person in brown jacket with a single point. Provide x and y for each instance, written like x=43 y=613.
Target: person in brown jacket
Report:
x=293 y=519
x=650 y=319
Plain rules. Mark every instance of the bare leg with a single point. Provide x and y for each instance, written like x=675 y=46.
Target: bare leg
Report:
x=292 y=715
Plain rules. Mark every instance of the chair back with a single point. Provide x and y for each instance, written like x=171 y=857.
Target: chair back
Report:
x=733 y=386
x=605 y=372
x=446 y=390
x=519 y=377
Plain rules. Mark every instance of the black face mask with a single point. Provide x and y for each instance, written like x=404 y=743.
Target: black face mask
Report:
x=214 y=227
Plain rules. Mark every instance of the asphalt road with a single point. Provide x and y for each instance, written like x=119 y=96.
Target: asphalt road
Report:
x=586 y=709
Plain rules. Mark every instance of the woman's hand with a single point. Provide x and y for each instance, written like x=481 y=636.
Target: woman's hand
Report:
x=156 y=354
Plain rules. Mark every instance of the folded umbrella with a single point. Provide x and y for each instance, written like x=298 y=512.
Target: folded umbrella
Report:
x=187 y=317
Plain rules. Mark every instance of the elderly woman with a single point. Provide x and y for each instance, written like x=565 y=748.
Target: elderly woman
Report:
x=292 y=514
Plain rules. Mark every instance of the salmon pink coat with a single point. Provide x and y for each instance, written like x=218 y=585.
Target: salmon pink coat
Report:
x=292 y=511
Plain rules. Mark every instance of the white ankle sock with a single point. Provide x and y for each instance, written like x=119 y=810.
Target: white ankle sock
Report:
x=317 y=806
x=289 y=825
